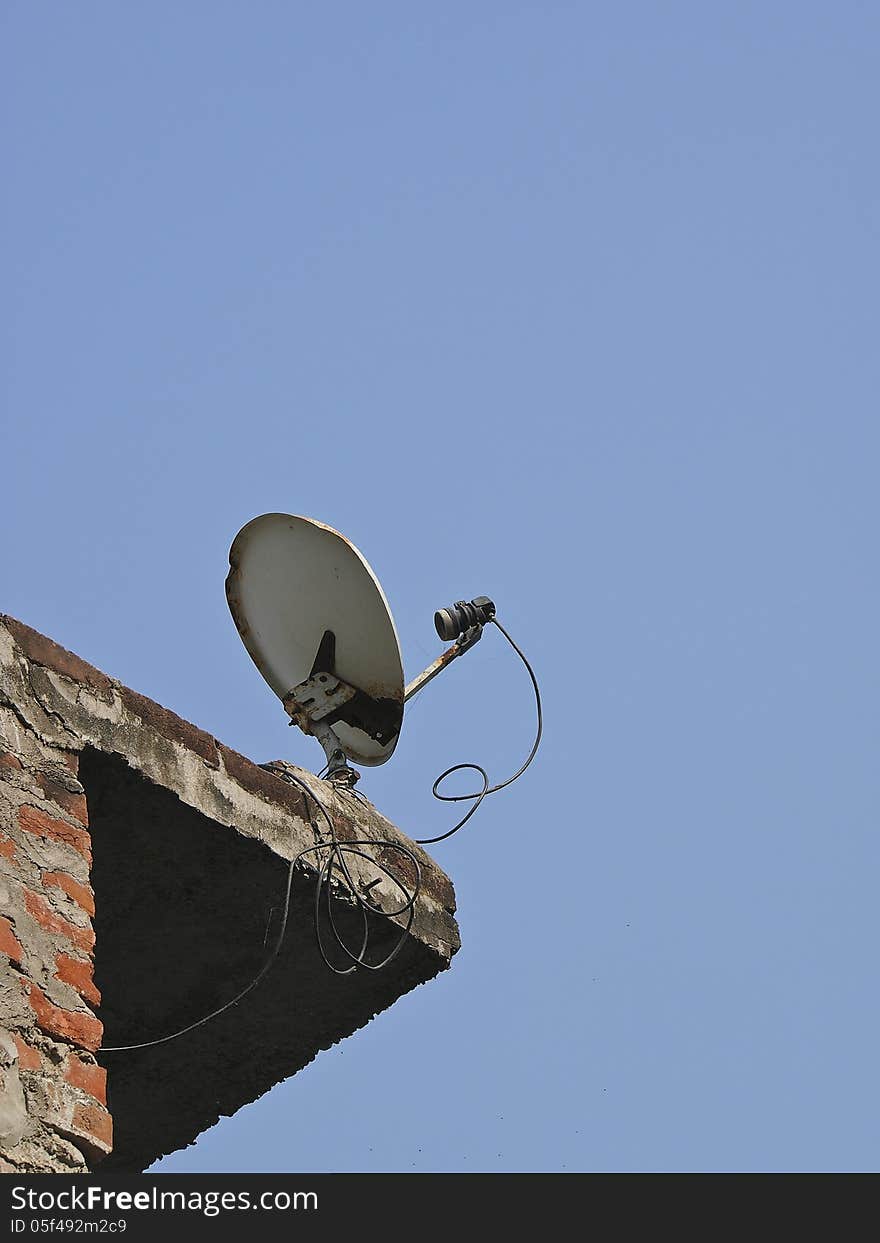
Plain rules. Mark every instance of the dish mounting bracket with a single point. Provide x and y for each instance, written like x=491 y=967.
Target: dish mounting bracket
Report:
x=318 y=697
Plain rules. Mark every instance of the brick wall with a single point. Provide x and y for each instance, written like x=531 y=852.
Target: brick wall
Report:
x=182 y=840
x=53 y=1115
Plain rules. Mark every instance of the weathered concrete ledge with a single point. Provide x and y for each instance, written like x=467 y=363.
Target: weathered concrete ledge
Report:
x=140 y=859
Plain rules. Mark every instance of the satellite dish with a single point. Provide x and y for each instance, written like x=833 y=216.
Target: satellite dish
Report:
x=316 y=623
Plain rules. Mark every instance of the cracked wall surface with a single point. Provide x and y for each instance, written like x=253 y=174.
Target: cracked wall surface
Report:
x=139 y=858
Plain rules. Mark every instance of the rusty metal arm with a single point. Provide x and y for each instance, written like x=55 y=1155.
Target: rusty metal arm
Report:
x=464 y=644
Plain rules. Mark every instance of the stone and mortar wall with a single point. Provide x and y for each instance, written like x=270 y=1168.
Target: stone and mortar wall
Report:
x=53 y=1108
x=53 y=1114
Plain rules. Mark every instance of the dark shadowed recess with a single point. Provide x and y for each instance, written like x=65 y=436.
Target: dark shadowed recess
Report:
x=182 y=905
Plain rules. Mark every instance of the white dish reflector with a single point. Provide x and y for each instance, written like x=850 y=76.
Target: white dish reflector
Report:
x=308 y=606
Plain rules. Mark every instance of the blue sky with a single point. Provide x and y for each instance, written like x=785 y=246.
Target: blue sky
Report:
x=574 y=305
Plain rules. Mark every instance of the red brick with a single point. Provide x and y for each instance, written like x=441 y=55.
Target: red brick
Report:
x=38 y=907
x=7 y=847
x=73 y=804
x=28 y=1056
x=81 y=894
x=10 y=760
x=264 y=784
x=32 y=820
x=92 y=1079
x=171 y=726
x=9 y=942
x=74 y=1025
x=79 y=975
x=43 y=651
x=93 y=1125
x=71 y=759
x=399 y=864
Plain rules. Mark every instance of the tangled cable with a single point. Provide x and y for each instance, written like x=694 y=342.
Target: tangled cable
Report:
x=333 y=868
x=329 y=869
x=478 y=768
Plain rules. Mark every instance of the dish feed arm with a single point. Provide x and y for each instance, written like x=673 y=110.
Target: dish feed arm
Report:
x=464 y=622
